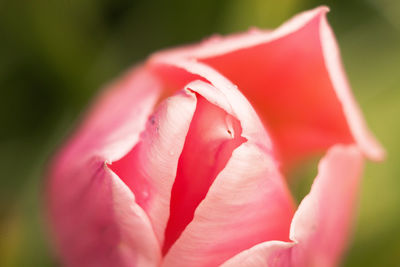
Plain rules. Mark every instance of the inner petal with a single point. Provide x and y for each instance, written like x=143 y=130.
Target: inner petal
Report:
x=149 y=169
x=288 y=84
x=211 y=139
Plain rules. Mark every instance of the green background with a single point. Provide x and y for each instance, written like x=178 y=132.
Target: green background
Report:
x=55 y=54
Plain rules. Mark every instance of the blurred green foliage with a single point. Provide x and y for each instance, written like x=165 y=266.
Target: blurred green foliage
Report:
x=56 y=54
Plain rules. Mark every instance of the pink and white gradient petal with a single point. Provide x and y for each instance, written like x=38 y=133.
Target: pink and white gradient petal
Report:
x=112 y=126
x=84 y=197
x=248 y=191
x=150 y=168
x=98 y=222
x=321 y=225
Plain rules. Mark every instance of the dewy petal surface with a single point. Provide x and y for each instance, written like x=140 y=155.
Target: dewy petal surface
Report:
x=322 y=222
x=249 y=191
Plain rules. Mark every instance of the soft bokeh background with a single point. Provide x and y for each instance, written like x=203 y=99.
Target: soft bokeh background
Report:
x=56 y=54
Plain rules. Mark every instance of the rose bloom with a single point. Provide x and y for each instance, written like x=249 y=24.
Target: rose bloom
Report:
x=181 y=161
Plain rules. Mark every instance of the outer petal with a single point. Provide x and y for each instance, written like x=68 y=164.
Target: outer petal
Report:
x=365 y=140
x=248 y=191
x=321 y=224
x=113 y=124
x=97 y=222
x=293 y=78
x=91 y=223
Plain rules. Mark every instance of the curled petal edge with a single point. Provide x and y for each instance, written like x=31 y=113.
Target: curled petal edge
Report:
x=186 y=58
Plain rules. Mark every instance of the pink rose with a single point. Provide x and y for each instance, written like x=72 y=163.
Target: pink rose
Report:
x=174 y=167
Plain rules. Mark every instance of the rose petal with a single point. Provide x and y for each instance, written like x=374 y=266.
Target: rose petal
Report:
x=112 y=126
x=81 y=203
x=364 y=138
x=149 y=169
x=288 y=85
x=97 y=222
x=208 y=146
x=248 y=191
x=218 y=45
x=293 y=78
x=247 y=204
x=266 y=254
x=219 y=91
x=321 y=224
